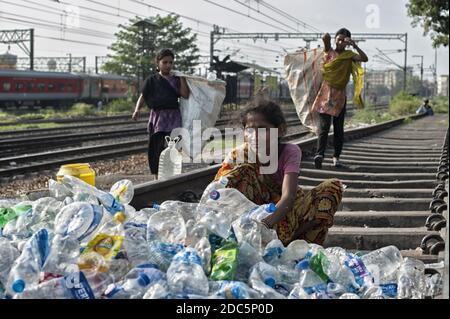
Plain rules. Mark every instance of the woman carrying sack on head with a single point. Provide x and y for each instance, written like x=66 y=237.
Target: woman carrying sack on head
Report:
x=161 y=92
x=331 y=101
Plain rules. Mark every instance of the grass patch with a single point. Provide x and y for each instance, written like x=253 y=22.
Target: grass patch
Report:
x=21 y=127
x=120 y=106
x=369 y=115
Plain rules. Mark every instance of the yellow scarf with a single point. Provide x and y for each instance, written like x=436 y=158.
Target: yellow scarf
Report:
x=337 y=74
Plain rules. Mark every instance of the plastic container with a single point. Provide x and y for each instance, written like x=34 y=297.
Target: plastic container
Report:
x=81 y=171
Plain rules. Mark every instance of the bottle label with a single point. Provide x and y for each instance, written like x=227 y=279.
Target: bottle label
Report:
x=79 y=287
x=358 y=269
x=389 y=290
x=321 y=288
x=105 y=245
x=98 y=214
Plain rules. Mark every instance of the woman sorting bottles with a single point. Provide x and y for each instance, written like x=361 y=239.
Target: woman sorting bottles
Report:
x=299 y=214
x=161 y=92
x=331 y=100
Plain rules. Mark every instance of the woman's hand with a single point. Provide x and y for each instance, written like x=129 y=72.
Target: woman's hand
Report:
x=136 y=115
x=268 y=222
x=350 y=41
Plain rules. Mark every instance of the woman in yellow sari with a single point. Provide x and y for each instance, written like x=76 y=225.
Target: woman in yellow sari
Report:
x=299 y=214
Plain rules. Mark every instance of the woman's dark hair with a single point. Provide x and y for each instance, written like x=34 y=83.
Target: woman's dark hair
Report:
x=162 y=54
x=345 y=32
x=270 y=110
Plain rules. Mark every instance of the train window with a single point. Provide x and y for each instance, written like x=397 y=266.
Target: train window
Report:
x=69 y=88
x=61 y=87
x=6 y=86
x=19 y=86
x=51 y=87
x=41 y=86
x=30 y=86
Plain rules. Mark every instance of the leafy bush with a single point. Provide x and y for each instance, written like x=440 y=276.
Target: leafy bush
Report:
x=120 y=106
x=404 y=104
x=440 y=104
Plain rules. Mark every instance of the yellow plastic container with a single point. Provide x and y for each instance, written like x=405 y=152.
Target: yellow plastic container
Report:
x=81 y=171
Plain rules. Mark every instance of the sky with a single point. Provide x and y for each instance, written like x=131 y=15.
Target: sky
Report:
x=93 y=23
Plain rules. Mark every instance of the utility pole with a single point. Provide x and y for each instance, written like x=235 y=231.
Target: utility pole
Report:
x=405 y=75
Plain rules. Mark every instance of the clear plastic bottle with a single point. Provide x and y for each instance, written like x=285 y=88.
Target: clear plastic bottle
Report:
x=112 y=205
x=162 y=254
x=309 y=280
x=273 y=252
x=263 y=278
x=185 y=275
x=411 y=279
x=27 y=268
x=383 y=263
x=78 y=219
x=232 y=290
x=170 y=226
x=170 y=160
x=232 y=199
x=261 y=212
x=123 y=191
x=294 y=252
x=136 y=283
x=8 y=255
x=220 y=184
x=135 y=243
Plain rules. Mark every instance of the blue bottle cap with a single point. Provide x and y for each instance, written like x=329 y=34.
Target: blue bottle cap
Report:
x=18 y=286
x=214 y=195
x=271 y=208
x=143 y=280
x=270 y=282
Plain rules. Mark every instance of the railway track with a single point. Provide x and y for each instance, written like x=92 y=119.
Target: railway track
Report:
x=390 y=176
x=23 y=155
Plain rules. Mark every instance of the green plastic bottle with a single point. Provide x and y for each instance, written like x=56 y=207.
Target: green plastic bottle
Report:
x=316 y=264
x=9 y=214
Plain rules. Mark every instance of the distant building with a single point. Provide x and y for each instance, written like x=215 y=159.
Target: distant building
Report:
x=387 y=78
x=443 y=85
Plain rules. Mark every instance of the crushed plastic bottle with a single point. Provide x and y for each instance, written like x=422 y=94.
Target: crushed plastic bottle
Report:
x=27 y=268
x=221 y=183
x=411 y=279
x=185 y=274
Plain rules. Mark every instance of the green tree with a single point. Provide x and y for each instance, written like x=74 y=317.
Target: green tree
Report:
x=128 y=58
x=433 y=16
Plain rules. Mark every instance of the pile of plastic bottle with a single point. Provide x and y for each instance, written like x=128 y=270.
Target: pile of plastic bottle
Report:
x=83 y=243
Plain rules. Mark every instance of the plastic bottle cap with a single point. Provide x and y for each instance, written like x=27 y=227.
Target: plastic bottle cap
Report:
x=143 y=280
x=214 y=195
x=224 y=181
x=270 y=282
x=120 y=217
x=271 y=208
x=18 y=286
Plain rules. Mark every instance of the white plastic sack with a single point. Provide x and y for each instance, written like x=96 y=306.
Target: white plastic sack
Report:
x=304 y=76
x=204 y=105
